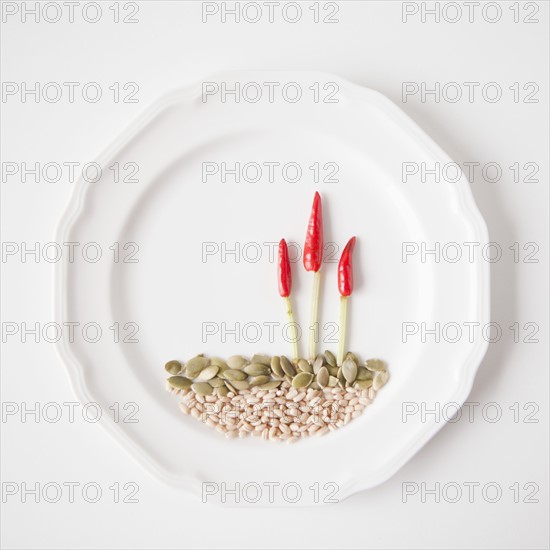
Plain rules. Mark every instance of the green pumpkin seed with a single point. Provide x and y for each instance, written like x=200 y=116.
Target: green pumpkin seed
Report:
x=314 y=385
x=333 y=371
x=257 y=369
x=349 y=370
x=202 y=388
x=302 y=380
x=180 y=382
x=263 y=359
x=219 y=363
x=318 y=363
x=380 y=379
x=351 y=355
x=208 y=373
x=236 y=362
x=271 y=385
x=288 y=378
x=222 y=391
x=363 y=384
x=240 y=384
x=230 y=387
x=216 y=382
x=276 y=366
x=234 y=374
x=194 y=366
x=304 y=366
x=287 y=366
x=173 y=367
x=364 y=374
x=375 y=365
x=341 y=378
x=322 y=377
x=329 y=356
x=332 y=381
x=259 y=380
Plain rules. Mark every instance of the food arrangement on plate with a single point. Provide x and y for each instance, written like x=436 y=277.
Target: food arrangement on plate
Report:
x=274 y=397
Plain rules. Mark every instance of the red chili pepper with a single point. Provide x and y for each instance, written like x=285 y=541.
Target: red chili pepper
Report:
x=313 y=248
x=345 y=269
x=285 y=278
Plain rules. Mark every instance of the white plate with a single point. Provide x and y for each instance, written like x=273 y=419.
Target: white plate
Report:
x=171 y=291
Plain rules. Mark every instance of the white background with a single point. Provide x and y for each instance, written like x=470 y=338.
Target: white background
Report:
x=170 y=46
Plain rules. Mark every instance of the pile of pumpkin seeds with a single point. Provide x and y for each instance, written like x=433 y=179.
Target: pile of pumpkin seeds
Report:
x=218 y=379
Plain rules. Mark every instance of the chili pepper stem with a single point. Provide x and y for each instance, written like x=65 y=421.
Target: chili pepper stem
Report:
x=313 y=329
x=292 y=322
x=342 y=329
